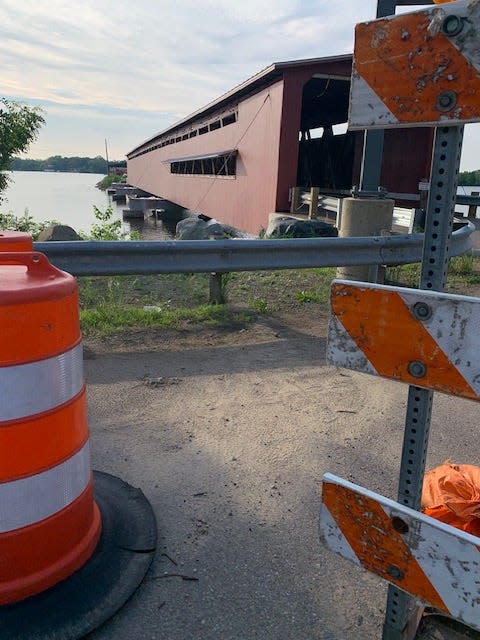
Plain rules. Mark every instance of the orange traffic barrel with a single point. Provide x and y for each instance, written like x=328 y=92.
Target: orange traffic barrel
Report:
x=15 y=241
x=50 y=524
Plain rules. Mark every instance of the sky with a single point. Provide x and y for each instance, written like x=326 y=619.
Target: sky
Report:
x=122 y=71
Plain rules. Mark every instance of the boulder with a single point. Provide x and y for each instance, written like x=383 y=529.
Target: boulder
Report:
x=289 y=227
x=196 y=228
x=57 y=232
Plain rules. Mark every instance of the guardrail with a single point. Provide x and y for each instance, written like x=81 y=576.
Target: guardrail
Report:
x=97 y=258
x=403 y=218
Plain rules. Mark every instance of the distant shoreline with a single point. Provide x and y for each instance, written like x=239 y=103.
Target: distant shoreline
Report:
x=89 y=173
x=64 y=164
x=98 y=173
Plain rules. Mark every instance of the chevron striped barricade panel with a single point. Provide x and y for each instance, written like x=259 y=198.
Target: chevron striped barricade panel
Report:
x=419 y=68
x=422 y=338
x=434 y=562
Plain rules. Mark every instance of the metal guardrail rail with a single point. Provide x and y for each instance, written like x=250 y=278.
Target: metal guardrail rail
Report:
x=97 y=258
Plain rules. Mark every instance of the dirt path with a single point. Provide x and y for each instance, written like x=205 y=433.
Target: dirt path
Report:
x=228 y=434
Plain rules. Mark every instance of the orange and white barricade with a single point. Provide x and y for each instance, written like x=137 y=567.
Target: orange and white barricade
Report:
x=423 y=338
x=416 y=69
x=434 y=562
x=430 y=340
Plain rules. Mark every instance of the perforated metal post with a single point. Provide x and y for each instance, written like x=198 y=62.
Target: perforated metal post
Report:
x=401 y=609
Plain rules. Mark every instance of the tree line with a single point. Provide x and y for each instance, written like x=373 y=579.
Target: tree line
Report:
x=60 y=163
x=469 y=178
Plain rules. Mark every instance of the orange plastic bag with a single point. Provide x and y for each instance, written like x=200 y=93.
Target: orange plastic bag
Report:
x=451 y=494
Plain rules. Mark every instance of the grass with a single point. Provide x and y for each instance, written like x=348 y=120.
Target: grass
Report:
x=113 y=318
x=463 y=272
x=116 y=304
x=107 y=181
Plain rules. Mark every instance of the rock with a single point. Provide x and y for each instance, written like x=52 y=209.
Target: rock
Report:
x=57 y=232
x=196 y=228
x=286 y=226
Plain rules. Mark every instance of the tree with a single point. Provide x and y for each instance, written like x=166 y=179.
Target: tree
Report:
x=19 y=126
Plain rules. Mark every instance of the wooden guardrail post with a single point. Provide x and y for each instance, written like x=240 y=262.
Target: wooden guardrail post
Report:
x=472 y=208
x=295 y=202
x=217 y=294
x=313 y=207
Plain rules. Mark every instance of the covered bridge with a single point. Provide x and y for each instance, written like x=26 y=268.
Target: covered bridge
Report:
x=237 y=158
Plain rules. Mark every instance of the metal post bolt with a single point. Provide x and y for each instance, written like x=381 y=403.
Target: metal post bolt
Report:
x=422 y=311
x=452 y=25
x=446 y=100
x=417 y=369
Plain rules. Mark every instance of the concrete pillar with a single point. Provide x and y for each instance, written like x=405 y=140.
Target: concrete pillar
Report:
x=363 y=217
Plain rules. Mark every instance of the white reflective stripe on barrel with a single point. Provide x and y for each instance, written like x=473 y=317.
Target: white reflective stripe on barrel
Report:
x=27 y=389
x=28 y=500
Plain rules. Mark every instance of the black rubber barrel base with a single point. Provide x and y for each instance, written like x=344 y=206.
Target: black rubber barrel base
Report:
x=94 y=593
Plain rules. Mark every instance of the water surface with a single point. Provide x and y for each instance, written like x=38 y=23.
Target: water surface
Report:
x=68 y=198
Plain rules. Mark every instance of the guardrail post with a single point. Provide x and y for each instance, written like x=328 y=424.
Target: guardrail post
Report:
x=313 y=207
x=472 y=208
x=217 y=294
x=295 y=203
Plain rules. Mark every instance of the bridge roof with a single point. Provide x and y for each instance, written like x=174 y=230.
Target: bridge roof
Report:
x=263 y=78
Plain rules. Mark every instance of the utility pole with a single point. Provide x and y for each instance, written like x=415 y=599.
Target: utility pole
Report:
x=106 y=155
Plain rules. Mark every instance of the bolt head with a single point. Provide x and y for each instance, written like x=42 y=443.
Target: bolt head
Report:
x=446 y=100
x=395 y=572
x=422 y=311
x=400 y=525
x=417 y=369
x=452 y=25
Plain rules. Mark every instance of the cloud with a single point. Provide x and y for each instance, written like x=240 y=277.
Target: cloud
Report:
x=127 y=70
x=157 y=52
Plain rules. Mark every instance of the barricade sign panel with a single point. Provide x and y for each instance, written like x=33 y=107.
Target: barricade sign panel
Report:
x=419 y=68
x=437 y=564
x=423 y=338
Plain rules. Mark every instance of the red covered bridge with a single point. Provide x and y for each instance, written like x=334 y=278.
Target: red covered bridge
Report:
x=237 y=158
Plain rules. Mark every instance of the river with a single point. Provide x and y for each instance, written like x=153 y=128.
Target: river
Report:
x=68 y=198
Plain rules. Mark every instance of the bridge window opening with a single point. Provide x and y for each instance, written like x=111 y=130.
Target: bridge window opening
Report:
x=326 y=149
x=230 y=119
x=215 y=125
x=219 y=164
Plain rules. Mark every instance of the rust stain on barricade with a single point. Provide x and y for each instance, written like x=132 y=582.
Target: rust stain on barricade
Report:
x=378 y=322
x=417 y=68
x=378 y=546
x=428 y=559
